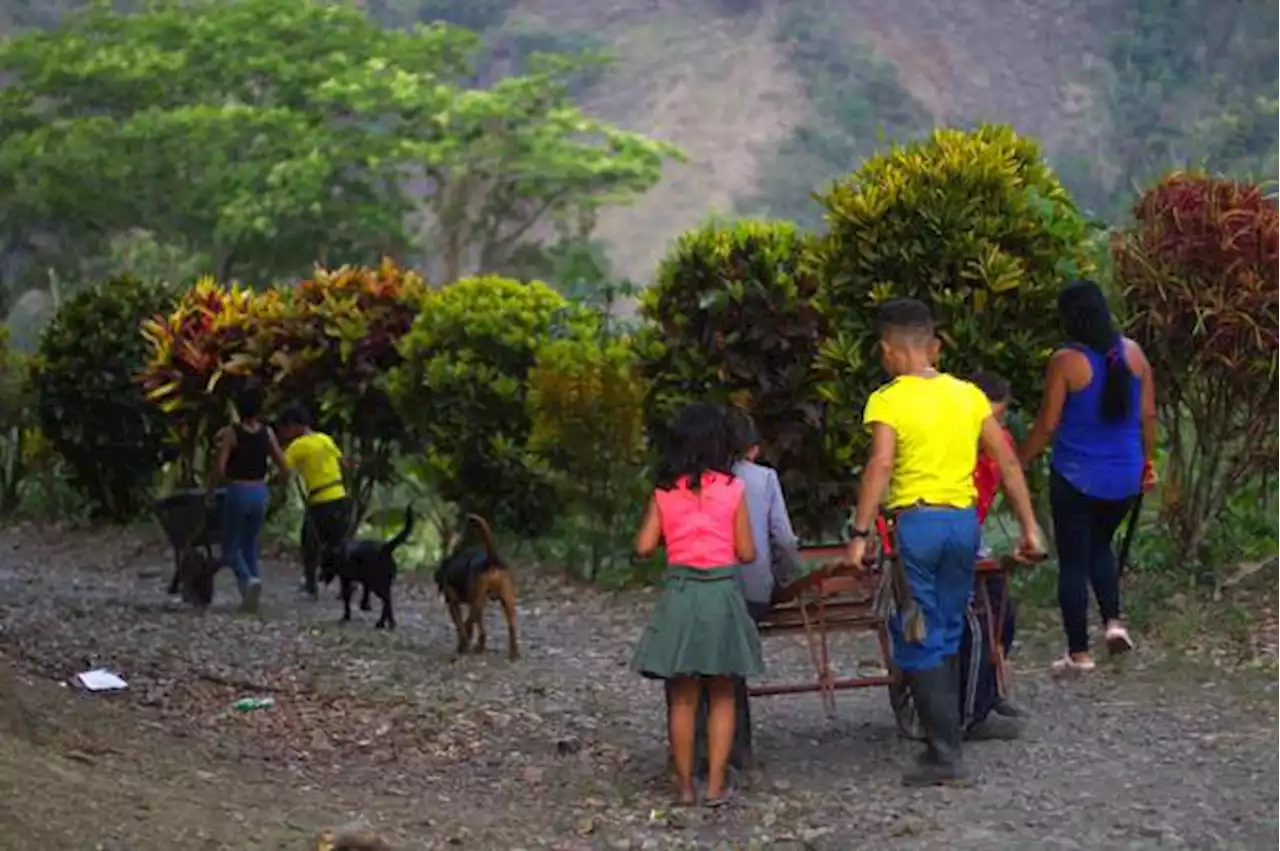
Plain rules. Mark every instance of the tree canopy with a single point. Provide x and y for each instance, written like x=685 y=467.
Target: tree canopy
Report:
x=271 y=134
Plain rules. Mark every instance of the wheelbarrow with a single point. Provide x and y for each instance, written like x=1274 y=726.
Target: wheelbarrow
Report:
x=193 y=525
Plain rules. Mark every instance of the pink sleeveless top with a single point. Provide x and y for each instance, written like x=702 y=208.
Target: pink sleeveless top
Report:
x=697 y=528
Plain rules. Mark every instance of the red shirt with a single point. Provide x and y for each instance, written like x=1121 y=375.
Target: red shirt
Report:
x=986 y=478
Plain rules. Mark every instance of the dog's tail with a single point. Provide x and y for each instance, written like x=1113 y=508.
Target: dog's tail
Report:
x=403 y=535
x=487 y=534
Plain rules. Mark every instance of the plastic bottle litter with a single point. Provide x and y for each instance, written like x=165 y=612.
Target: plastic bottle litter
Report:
x=249 y=704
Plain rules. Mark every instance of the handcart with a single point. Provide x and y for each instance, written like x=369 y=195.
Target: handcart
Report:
x=193 y=524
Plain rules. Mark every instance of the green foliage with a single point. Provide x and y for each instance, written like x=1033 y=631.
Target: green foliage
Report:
x=1195 y=83
x=461 y=390
x=586 y=406
x=1198 y=269
x=277 y=133
x=197 y=354
x=328 y=345
x=17 y=405
x=976 y=225
x=731 y=319
x=520 y=42
x=857 y=102
x=90 y=407
x=521 y=153
x=218 y=123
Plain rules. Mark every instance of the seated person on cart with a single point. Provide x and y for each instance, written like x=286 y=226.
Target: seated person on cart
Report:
x=777 y=563
x=318 y=462
x=926 y=427
x=979 y=683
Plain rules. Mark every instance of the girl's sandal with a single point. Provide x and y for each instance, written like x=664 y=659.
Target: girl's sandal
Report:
x=727 y=798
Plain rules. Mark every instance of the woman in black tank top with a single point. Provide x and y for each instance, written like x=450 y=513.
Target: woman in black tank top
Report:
x=243 y=450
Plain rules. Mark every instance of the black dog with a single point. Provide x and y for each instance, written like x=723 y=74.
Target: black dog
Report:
x=370 y=563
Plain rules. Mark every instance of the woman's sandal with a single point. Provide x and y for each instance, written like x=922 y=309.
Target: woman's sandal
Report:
x=1068 y=665
x=1118 y=640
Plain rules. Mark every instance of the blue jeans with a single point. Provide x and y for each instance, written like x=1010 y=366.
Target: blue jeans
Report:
x=243 y=512
x=938 y=548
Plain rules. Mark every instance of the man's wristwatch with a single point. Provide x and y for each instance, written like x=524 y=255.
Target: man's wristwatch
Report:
x=855 y=532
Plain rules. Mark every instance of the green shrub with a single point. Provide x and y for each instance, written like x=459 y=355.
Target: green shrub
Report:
x=461 y=391
x=731 y=320
x=975 y=224
x=17 y=406
x=327 y=342
x=586 y=405
x=90 y=406
x=1198 y=269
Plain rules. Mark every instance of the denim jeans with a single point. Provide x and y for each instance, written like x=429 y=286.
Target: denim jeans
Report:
x=938 y=548
x=1083 y=527
x=243 y=512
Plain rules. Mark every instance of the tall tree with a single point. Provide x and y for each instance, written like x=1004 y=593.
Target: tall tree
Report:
x=270 y=134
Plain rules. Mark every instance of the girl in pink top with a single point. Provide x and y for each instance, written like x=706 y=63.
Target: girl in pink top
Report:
x=701 y=632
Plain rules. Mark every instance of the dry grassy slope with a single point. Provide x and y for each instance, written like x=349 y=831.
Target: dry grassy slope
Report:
x=718 y=85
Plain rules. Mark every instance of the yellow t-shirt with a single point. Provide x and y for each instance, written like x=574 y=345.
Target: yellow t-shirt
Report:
x=938 y=422
x=315 y=457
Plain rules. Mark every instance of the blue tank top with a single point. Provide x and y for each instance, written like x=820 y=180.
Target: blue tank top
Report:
x=1100 y=459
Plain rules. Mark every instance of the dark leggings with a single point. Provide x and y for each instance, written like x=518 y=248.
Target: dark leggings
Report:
x=323 y=526
x=1083 y=528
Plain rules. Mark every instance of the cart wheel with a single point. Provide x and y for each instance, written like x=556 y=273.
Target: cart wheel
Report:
x=904 y=712
x=196 y=577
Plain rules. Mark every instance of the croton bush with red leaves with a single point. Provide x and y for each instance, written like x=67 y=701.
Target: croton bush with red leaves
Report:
x=198 y=354
x=330 y=350
x=1198 y=269
x=324 y=343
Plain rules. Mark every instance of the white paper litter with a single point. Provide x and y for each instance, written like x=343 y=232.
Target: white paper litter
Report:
x=100 y=680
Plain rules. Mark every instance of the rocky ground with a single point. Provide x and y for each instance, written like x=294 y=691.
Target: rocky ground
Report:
x=560 y=750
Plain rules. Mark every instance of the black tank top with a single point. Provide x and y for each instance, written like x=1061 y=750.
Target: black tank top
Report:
x=248 y=461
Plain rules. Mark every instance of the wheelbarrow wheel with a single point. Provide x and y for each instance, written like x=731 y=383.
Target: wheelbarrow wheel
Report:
x=904 y=712
x=197 y=569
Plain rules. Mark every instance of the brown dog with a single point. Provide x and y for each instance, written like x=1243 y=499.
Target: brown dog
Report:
x=475 y=576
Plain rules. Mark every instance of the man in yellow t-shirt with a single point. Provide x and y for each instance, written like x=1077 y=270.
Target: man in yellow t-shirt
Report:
x=318 y=462
x=926 y=427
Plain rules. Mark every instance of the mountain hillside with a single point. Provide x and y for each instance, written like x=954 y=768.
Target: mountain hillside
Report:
x=771 y=99
x=718 y=81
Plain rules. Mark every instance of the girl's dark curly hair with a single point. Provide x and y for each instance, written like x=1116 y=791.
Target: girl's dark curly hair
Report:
x=698 y=443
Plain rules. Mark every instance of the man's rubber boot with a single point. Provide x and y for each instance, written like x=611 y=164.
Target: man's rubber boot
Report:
x=938 y=707
x=1008 y=710
x=994 y=728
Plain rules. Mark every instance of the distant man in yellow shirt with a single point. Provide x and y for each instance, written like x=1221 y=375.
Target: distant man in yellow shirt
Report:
x=926 y=427
x=318 y=462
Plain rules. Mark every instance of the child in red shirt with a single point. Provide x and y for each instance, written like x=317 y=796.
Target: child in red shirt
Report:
x=986 y=478
x=986 y=475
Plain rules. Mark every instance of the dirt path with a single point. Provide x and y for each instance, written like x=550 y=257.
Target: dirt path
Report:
x=561 y=750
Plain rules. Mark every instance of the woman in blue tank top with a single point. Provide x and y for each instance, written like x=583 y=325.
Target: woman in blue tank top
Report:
x=1099 y=411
